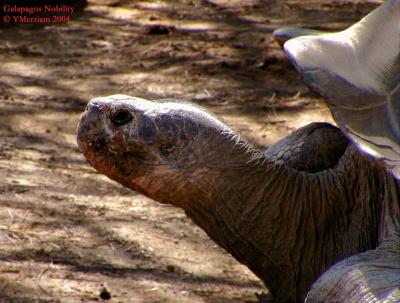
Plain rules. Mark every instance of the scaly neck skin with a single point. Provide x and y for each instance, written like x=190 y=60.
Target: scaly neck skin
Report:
x=287 y=226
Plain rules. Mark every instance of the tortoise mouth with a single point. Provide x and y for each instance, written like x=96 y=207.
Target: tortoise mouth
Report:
x=138 y=155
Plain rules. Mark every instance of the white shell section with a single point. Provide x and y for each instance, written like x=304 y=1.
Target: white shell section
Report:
x=358 y=71
x=361 y=54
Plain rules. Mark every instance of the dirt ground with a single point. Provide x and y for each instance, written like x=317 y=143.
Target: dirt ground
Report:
x=67 y=232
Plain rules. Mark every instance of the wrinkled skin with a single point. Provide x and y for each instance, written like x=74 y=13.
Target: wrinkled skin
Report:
x=288 y=218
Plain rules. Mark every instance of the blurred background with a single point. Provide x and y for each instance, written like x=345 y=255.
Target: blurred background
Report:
x=68 y=234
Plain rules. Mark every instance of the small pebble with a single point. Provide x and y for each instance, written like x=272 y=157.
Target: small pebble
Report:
x=105 y=294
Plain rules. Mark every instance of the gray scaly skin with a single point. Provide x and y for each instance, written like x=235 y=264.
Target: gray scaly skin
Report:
x=288 y=220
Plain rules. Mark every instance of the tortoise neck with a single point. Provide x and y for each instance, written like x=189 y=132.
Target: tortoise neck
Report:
x=289 y=226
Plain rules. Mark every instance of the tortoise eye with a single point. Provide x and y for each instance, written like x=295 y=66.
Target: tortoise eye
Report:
x=122 y=117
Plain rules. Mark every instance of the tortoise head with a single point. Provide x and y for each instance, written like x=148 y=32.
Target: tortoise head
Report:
x=154 y=147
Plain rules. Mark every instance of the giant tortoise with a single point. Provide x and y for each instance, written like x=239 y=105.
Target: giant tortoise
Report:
x=314 y=216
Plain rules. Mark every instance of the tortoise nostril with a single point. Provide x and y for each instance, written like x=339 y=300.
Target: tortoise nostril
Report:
x=122 y=117
x=94 y=105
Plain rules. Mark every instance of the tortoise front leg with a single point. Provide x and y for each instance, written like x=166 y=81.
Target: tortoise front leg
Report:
x=372 y=276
